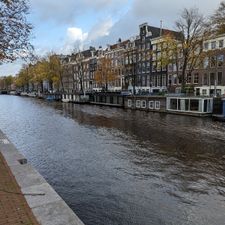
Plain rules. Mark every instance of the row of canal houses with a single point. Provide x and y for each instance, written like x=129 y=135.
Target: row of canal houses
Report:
x=137 y=64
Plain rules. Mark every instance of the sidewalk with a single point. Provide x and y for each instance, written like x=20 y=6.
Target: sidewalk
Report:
x=14 y=209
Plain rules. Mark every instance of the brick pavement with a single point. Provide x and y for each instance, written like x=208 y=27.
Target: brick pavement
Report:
x=14 y=209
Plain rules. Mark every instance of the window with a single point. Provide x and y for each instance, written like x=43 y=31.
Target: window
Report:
x=148 y=80
x=138 y=103
x=159 y=67
x=157 y=105
x=148 y=66
x=163 y=80
x=154 y=81
x=170 y=80
x=154 y=57
x=143 y=104
x=151 y=105
x=159 y=80
x=220 y=59
x=205 y=79
x=213 y=44
x=173 y=104
x=170 y=67
x=212 y=78
x=143 y=67
x=174 y=67
x=153 y=47
x=153 y=66
x=179 y=79
x=129 y=103
x=159 y=55
x=213 y=61
x=206 y=46
x=220 y=43
x=188 y=78
x=219 y=78
x=143 y=80
x=159 y=47
x=196 y=78
x=206 y=63
x=204 y=92
x=194 y=103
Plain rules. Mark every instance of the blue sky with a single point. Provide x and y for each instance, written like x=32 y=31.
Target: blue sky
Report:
x=62 y=26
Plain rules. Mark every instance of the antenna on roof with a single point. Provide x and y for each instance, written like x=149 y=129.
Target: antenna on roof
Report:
x=161 y=27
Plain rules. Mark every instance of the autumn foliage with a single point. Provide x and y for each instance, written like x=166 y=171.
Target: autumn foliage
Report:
x=105 y=73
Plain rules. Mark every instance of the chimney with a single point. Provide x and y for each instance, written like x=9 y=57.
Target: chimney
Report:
x=161 y=27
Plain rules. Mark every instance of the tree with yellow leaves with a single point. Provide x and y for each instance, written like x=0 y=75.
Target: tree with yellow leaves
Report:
x=105 y=73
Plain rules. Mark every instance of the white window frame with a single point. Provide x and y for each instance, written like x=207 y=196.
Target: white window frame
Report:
x=143 y=104
x=138 y=104
x=129 y=103
x=151 y=104
x=157 y=105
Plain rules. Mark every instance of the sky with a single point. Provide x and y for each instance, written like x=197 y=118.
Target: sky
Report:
x=64 y=25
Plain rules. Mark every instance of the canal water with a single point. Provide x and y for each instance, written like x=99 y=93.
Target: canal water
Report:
x=121 y=167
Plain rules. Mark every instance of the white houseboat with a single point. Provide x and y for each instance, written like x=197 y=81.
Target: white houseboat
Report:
x=196 y=106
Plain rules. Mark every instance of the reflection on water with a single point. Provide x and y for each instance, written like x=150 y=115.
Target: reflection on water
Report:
x=115 y=166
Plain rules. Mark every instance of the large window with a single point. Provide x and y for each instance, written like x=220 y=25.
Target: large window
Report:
x=212 y=78
x=163 y=80
x=205 y=79
x=194 y=103
x=159 y=81
x=219 y=78
x=173 y=104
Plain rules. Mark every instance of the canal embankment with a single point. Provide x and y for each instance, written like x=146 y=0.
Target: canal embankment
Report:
x=47 y=207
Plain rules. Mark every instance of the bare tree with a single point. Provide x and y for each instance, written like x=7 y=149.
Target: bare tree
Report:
x=191 y=26
x=78 y=69
x=15 y=31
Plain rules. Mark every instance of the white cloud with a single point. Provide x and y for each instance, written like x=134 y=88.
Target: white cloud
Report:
x=101 y=29
x=67 y=11
x=75 y=38
x=76 y=34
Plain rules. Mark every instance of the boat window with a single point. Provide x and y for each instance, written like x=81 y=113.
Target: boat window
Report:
x=194 y=105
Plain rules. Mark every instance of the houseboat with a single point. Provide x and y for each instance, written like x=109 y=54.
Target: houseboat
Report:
x=195 y=106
